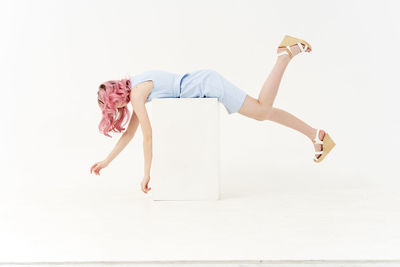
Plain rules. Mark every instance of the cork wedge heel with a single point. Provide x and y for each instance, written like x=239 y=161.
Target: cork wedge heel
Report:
x=288 y=41
x=327 y=145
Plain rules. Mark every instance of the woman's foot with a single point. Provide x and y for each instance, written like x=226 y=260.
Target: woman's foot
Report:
x=294 y=48
x=318 y=147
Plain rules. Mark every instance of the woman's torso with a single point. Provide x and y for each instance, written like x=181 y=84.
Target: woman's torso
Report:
x=198 y=83
x=165 y=84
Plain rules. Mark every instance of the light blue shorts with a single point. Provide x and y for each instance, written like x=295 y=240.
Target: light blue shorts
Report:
x=209 y=83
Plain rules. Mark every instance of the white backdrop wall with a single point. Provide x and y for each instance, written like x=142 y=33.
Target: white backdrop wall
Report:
x=54 y=54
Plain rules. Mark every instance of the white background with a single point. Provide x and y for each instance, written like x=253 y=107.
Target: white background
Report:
x=54 y=54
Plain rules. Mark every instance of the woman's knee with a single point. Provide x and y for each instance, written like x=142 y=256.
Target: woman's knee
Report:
x=264 y=112
x=254 y=109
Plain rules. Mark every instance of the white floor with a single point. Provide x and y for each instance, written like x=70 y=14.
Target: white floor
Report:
x=279 y=218
x=219 y=264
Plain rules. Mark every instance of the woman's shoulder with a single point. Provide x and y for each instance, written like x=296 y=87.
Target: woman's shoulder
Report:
x=142 y=88
x=140 y=77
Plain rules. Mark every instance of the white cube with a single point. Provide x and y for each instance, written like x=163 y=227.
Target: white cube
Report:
x=186 y=149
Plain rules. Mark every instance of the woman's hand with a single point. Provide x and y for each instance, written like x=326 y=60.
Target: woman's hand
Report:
x=144 y=184
x=98 y=166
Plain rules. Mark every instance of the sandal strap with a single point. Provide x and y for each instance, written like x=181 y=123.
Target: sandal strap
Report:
x=289 y=51
x=301 y=47
x=282 y=53
x=316 y=140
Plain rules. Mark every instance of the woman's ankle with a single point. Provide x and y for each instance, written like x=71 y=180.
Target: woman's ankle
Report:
x=311 y=134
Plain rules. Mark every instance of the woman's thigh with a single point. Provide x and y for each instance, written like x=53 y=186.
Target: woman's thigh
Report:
x=253 y=109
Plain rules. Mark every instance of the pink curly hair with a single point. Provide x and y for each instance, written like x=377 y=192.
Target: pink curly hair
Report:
x=110 y=94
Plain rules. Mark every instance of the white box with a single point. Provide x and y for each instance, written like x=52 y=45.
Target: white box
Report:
x=186 y=149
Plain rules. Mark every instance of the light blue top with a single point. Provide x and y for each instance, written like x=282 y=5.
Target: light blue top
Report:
x=166 y=84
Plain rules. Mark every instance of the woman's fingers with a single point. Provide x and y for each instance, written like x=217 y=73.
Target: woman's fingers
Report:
x=91 y=168
x=144 y=185
x=97 y=167
x=147 y=188
x=144 y=188
x=96 y=170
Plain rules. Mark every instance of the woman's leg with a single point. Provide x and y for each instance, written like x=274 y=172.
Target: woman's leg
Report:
x=262 y=108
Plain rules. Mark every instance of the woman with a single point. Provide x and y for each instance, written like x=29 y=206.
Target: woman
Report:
x=115 y=95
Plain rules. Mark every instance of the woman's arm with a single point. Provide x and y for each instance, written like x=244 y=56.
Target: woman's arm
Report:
x=121 y=144
x=138 y=100
x=124 y=139
x=147 y=136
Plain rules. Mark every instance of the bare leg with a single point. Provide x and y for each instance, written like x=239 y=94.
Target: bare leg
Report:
x=262 y=108
x=271 y=85
x=285 y=118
